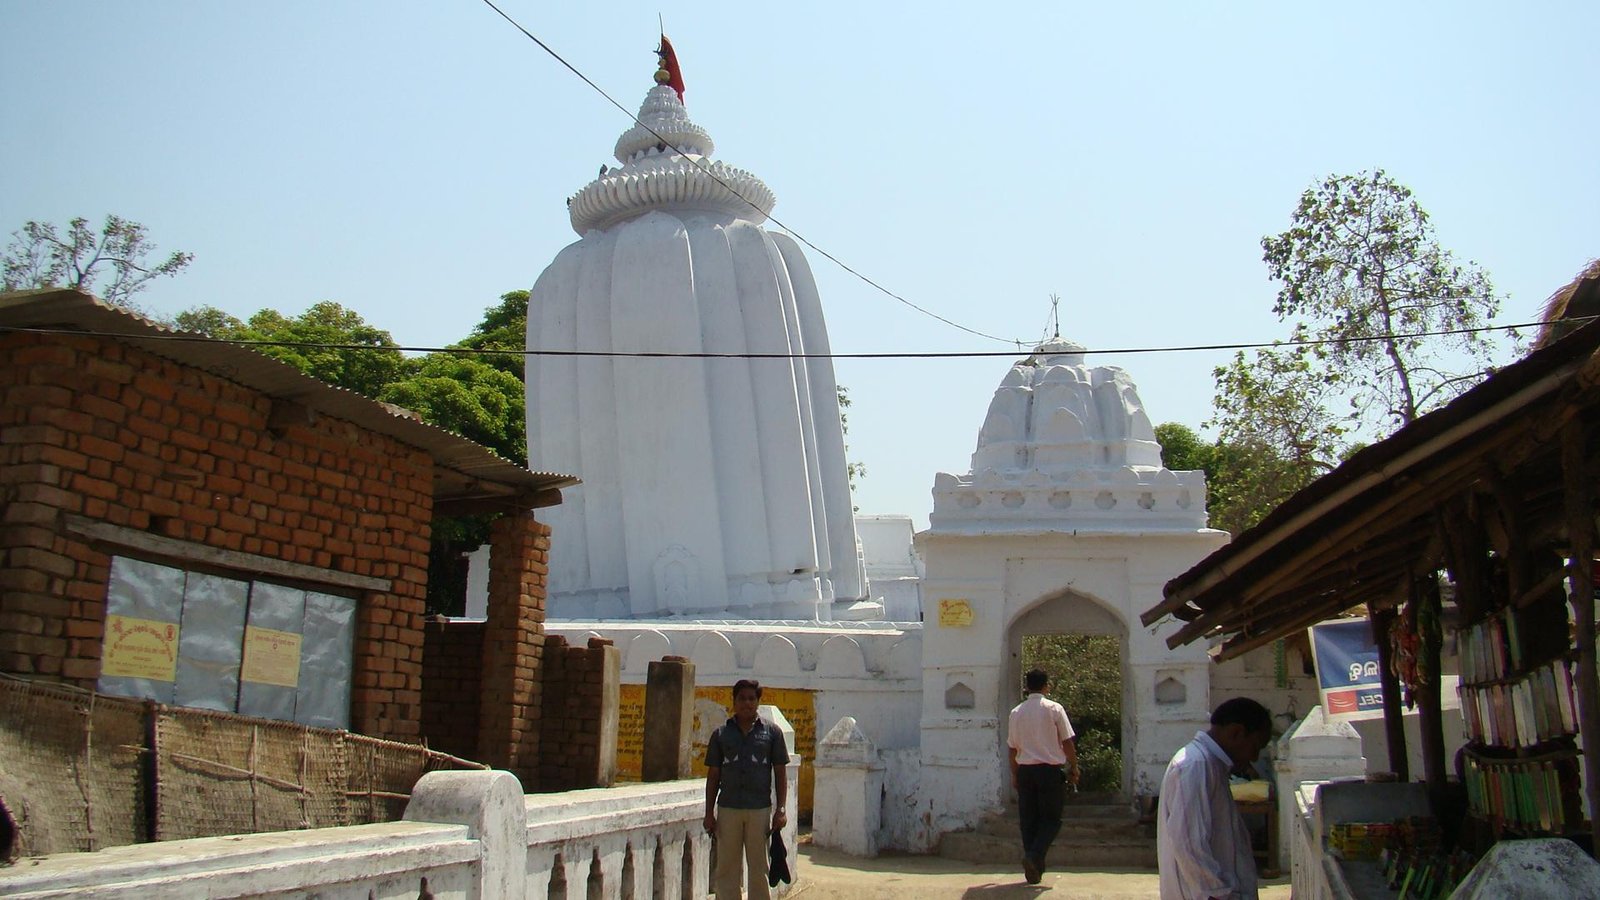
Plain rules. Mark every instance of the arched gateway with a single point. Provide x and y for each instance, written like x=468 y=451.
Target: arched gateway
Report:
x=1067 y=523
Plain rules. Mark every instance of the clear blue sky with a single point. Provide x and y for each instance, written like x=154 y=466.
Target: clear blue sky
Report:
x=411 y=161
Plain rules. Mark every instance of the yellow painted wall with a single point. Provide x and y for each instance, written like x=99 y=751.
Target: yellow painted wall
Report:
x=712 y=707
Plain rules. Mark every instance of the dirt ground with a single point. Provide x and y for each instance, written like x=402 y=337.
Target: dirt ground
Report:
x=827 y=875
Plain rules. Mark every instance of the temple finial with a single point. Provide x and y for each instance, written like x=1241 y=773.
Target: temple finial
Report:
x=668 y=72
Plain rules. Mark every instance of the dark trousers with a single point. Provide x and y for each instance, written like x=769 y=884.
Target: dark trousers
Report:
x=1040 y=792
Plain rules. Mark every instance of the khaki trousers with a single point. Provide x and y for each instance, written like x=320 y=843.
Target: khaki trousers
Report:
x=742 y=836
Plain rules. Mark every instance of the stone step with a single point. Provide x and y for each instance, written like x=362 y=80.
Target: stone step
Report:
x=1115 y=817
x=1104 y=852
x=1071 y=829
x=1099 y=804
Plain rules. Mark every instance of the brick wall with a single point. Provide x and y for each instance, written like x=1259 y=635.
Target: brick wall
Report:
x=575 y=686
x=452 y=661
x=93 y=427
x=508 y=725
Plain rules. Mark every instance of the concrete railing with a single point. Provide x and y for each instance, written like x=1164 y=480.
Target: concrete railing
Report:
x=466 y=835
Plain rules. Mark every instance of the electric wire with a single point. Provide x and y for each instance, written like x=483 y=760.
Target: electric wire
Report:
x=182 y=337
x=732 y=190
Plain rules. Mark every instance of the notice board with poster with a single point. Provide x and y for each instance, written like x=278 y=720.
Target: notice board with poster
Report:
x=1347 y=669
x=712 y=707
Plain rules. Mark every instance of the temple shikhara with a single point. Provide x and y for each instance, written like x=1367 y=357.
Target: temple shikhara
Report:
x=713 y=487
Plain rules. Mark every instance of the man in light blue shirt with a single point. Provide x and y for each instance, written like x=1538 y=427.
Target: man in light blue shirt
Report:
x=1202 y=844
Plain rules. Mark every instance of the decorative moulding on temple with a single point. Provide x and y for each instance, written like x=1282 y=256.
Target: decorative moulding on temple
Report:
x=668 y=166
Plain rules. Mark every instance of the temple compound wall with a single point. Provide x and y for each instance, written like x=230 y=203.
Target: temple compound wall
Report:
x=816 y=673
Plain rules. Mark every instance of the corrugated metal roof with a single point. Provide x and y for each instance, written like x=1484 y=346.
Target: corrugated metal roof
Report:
x=465 y=471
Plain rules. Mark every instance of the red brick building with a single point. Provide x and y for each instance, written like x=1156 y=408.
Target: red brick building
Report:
x=199 y=524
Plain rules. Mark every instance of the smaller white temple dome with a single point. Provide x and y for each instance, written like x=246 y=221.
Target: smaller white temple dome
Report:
x=1068 y=444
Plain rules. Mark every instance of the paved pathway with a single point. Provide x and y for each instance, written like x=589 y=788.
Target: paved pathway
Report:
x=827 y=875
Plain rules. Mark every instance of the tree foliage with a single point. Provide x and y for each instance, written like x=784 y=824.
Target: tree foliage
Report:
x=327 y=342
x=1182 y=450
x=1086 y=678
x=467 y=395
x=504 y=328
x=1367 y=291
x=112 y=264
x=1360 y=268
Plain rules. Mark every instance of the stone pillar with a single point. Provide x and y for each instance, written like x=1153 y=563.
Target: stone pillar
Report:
x=847 y=803
x=668 y=719
x=490 y=805
x=607 y=669
x=578 y=721
x=1313 y=749
x=513 y=642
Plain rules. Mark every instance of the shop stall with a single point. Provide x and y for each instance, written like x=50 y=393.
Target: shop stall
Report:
x=1474 y=525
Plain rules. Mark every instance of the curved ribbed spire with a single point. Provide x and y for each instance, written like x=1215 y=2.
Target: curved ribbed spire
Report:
x=667 y=117
x=666 y=165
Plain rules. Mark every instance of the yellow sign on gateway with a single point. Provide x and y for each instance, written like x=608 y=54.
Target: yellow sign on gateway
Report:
x=955 y=613
x=139 y=648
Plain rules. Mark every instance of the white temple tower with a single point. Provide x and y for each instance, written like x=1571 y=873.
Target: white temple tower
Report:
x=712 y=487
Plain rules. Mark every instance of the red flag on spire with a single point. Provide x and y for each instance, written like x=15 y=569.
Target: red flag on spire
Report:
x=669 y=61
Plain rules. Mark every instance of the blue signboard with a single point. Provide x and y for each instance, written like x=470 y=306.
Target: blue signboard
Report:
x=1347 y=669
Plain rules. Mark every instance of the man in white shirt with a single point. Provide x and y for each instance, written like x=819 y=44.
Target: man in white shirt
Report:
x=1202 y=844
x=1040 y=738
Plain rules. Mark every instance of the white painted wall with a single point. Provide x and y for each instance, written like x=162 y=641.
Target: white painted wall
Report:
x=894 y=570
x=869 y=670
x=487 y=840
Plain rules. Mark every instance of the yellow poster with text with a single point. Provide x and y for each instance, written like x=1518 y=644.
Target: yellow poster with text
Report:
x=139 y=648
x=271 y=657
x=712 y=707
x=955 y=613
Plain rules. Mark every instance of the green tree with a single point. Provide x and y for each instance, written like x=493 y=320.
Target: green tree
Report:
x=1182 y=450
x=1361 y=278
x=480 y=396
x=112 y=264
x=1277 y=432
x=504 y=328
x=208 y=320
x=467 y=395
x=327 y=342
x=1360 y=268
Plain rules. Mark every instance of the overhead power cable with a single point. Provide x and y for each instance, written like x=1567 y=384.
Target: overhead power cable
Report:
x=708 y=354
x=735 y=192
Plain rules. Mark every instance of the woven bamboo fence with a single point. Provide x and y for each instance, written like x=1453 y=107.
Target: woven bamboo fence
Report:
x=81 y=771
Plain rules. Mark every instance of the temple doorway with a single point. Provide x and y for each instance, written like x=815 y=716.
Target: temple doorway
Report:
x=1086 y=678
x=1083 y=644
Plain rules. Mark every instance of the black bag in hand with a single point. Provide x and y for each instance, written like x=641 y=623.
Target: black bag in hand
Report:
x=777 y=861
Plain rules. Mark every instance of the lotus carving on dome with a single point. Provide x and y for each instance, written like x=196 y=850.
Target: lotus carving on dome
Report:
x=677 y=182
